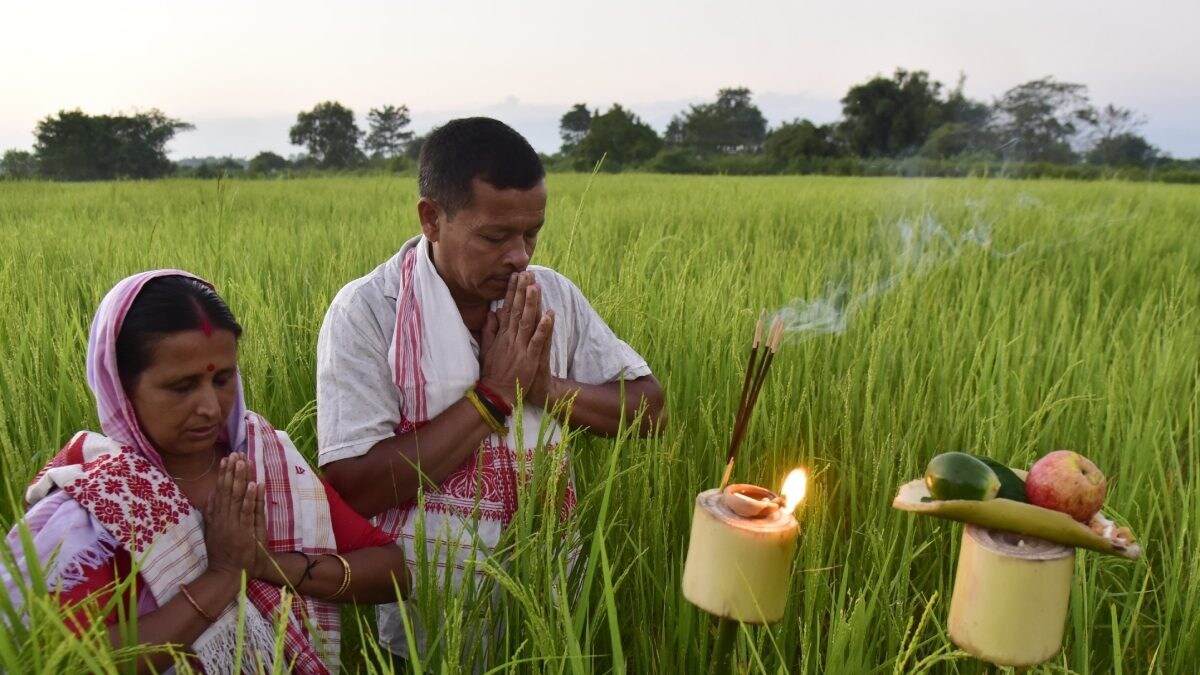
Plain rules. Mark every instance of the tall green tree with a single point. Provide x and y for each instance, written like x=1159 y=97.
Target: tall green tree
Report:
x=891 y=117
x=75 y=146
x=621 y=137
x=1115 y=140
x=965 y=127
x=388 y=136
x=330 y=134
x=731 y=124
x=266 y=163
x=574 y=126
x=18 y=165
x=801 y=139
x=1126 y=149
x=413 y=149
x=1112 y=121
x=1044 y=120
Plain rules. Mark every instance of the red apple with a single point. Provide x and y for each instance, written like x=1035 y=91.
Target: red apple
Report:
x=1069 y=482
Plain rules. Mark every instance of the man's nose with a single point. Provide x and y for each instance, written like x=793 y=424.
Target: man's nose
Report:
x=517 y=256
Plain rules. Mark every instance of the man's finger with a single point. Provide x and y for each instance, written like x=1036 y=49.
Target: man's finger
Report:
x=539 y=342
x=529 y=315
x=509 y=296
x=549 y=339
x=487 y=336
x=517 y=308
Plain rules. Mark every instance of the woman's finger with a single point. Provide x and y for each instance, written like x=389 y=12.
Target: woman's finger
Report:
x=249 y=502
x=208 y=507
x=260 y=514
x=237 y=493
x=220 y=496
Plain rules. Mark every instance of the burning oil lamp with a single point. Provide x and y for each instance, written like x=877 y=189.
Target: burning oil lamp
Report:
x=739 y=557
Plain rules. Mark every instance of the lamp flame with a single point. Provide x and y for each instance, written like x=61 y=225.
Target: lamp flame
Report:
x=794 y=488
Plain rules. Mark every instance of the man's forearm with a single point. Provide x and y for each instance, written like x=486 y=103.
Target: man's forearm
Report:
x=598 y=407
x=391 y=471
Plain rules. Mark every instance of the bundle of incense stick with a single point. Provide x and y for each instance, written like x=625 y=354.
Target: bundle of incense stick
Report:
x=756 y=374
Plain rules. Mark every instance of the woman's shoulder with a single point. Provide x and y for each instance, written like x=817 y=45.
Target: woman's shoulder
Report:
x=85 y=455
x=265 y=443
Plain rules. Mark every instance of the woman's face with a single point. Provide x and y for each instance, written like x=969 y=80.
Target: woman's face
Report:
x=183 y=398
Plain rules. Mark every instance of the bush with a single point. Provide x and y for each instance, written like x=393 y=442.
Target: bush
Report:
x=676 y=160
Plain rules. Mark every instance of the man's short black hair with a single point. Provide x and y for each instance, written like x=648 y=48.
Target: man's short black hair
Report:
x=462 y=150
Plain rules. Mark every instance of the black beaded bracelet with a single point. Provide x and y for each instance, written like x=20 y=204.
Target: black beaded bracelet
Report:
x=308 y=568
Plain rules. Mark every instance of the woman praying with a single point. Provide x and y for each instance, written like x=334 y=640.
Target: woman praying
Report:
x=198 y=491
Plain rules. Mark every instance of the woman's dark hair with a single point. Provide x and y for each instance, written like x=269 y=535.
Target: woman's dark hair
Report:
x=461 y=150
x=167 y=305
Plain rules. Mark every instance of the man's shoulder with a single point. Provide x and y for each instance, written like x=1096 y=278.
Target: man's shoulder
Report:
x=554 y=283
x=371 y=297
x=381 y=284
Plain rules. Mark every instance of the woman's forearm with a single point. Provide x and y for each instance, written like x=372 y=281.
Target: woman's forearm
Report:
x=178 y=622
x=374 y=574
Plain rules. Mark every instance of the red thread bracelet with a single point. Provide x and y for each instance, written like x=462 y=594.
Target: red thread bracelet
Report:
x=493 y=398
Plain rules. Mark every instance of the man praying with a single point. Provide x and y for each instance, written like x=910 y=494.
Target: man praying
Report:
x=420 y=363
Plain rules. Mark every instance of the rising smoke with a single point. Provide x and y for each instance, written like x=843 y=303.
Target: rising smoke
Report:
x=918 y=246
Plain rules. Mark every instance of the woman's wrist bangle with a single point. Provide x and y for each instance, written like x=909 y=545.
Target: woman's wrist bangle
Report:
x=345 y=577
x=309 y=564
x=195 y=605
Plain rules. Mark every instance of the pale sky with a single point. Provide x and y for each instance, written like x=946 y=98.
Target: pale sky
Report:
x=240 y=71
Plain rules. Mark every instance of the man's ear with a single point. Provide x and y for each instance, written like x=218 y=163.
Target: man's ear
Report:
x=431 y=217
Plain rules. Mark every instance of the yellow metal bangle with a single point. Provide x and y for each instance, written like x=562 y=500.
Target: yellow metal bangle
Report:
x=195 y=605
x=345 y=576
x=497 y=428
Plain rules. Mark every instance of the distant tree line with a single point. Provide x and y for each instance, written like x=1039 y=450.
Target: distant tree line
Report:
x=74 y=146
x=907 y=124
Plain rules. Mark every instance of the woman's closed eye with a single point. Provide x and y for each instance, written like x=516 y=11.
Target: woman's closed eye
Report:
x=183 y=386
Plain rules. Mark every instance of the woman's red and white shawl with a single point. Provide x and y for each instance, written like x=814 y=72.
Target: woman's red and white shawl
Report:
x=107 y=490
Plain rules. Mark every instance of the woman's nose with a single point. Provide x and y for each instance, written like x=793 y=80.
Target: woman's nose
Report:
x=209 y=404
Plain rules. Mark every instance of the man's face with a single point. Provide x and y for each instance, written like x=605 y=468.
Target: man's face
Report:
x=485 y=243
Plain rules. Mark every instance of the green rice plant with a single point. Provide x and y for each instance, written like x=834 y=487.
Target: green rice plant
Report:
x=1016 y=318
